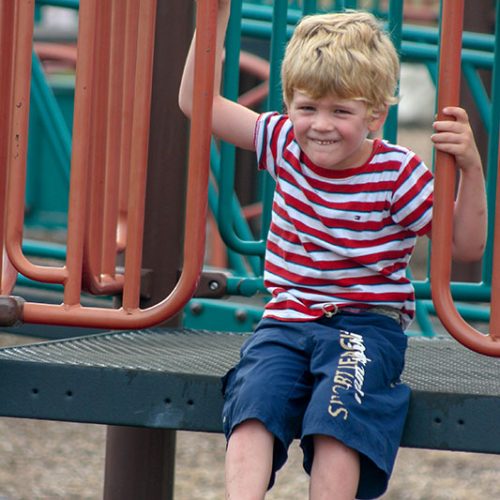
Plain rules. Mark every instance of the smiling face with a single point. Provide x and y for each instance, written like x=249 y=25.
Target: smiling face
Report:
x=333 y=132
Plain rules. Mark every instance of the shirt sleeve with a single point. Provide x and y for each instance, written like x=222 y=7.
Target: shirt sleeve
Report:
x=270 y=139
x=413 y=196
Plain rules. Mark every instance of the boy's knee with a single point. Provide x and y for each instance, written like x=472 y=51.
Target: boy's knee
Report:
x=252 y=429
x=328 y=449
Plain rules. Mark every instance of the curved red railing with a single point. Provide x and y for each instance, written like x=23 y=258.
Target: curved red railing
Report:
x=255 y=66
x=444 y=193
x=71 y=312
x=8 y=274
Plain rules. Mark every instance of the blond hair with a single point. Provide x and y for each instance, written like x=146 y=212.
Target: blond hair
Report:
x=344 y=54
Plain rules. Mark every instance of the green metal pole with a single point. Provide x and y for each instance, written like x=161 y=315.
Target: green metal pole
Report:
x=395 y=28
x=225 y=217
x=491 y=171
x=275 y=101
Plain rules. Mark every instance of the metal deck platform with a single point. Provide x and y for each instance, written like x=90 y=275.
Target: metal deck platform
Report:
x=170 y=378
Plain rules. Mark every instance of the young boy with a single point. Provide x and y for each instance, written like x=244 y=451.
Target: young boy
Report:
x=325 y=362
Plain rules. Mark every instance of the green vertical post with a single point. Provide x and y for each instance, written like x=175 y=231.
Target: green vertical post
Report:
x=226 y=178
x=275 y=101
x=339 y=5
x=491 y=171
x=395 y=28
x=309 y=7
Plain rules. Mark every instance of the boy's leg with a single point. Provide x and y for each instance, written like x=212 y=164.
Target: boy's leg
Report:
x=335 y=470
x=249 y=460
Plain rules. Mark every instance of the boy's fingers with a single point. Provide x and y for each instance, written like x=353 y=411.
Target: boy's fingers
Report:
x=448 y=126
x=445 y=139
x=458 y=113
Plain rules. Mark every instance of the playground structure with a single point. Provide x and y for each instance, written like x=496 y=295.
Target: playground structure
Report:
x=169 y=378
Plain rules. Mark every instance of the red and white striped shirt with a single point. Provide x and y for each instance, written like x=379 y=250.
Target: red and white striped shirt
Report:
x=340 y=237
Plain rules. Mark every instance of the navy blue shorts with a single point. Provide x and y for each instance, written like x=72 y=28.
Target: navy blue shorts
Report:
x=337 y=376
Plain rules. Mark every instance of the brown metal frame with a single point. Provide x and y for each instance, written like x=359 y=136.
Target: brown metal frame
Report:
x=83 y=230
x=444 y=194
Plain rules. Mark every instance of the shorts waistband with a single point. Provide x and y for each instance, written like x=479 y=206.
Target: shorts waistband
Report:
x=391 y=312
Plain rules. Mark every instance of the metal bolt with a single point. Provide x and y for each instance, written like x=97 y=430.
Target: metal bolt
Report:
x=241 y=315
x=213 y=285
x=196 y=308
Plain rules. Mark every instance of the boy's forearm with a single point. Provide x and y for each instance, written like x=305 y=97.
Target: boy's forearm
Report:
x=187 y=81
x=470 y=216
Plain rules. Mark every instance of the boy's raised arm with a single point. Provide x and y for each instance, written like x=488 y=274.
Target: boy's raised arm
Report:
x=454 y=136
x=231 y=122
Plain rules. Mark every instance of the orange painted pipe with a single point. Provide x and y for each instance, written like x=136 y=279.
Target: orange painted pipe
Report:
x=7 y=21
x=57 y=52
x=139 y=154
x=129 y=64
x=495 y=275
x=18 y=142
x=113 y=140
x=444 y=192
x=100 y=235
x=258 y=67
x=196 y=207
x=95 y=166
x=77 y=210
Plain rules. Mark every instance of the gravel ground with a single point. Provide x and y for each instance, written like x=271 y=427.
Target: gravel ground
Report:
x=53 y=460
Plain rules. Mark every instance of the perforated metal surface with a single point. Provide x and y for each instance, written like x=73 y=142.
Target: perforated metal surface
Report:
x=444 y=366
x=164 y=378
x=436 y=365
x=164 y=350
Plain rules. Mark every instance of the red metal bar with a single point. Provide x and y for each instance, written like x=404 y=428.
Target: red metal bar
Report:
x=114 y=149
x=18 y=141
x=77 y=211
x=97 y=145
x=444 y=192
x=139 y=154
x=104 y=141
x=495 y=276
x=7 y=21
x=56 y=52
x=129 y=64
x=196 y=206
x=258 y=67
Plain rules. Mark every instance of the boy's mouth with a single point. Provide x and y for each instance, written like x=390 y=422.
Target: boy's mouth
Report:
x=323 y=142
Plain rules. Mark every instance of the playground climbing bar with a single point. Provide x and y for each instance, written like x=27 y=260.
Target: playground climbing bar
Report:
x=448 y=95
x=71 y=312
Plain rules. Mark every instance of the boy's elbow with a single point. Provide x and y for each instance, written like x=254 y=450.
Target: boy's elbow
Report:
x=185 y=106
x=471 y=252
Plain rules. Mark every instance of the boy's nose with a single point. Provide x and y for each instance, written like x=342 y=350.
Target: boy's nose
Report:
x=323 y=123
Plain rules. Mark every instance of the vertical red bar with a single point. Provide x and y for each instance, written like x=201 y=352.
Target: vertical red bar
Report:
x=18 y=137
x=199 y=149
x=445 y=174
x=18 y=145
x=495 y=278
x=7 y=23
x=97 y=149
x=139 y=153
x=444 y=193
x=114 y=147
x=129 y=63
x=77 y=212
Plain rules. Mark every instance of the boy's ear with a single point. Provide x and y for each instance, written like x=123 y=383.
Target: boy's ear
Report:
x=377 y=118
